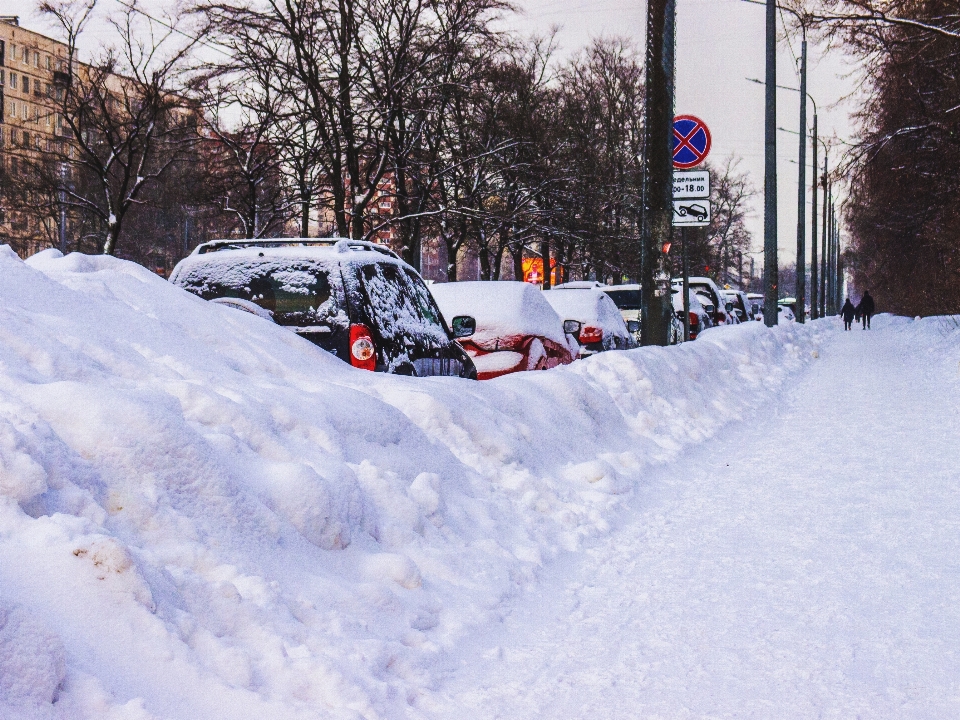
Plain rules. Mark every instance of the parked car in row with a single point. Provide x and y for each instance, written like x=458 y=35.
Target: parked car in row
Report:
x=516 y=328
x=741 y=306
x=357 y=300
x=714 y=300
x=627 y=299
x=602 y=325
x=700 y=319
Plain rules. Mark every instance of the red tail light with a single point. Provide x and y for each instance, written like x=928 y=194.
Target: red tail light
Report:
x=694 y=320
x=363 y=353
x=591 y=334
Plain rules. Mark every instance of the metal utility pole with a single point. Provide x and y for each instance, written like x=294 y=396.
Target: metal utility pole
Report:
x=684 y=239
x=770 y=264
x=823 y=247
x=655 y=301
x=63 y=209
x=814 y=279
x=802 y=188
x=829 y=256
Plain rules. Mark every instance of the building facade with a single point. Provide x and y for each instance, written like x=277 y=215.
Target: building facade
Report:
x=33 y=75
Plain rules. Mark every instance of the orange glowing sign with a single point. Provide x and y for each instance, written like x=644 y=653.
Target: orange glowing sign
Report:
x=533 y=270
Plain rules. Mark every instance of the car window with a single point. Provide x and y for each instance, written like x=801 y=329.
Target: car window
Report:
x=297 y=292
x=625 y=299
x=399 y=306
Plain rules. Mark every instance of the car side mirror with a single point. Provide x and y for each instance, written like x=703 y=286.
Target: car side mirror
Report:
x=572 y=327
x=633 y=326
x=729 y=307
x=463 y=326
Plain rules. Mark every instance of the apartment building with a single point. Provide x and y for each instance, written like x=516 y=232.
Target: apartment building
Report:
x=33 y=75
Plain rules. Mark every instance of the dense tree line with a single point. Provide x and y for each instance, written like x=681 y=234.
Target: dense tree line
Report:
x=405 y=121
x=903 y=213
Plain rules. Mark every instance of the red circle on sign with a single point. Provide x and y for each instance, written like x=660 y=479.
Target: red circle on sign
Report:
x=692 y=126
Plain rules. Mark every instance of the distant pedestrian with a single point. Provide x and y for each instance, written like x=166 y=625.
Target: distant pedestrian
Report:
x=866 y=308
x=848 y=311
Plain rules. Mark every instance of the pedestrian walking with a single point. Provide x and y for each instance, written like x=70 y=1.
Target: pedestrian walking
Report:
x=866 y=308
x=848 y=311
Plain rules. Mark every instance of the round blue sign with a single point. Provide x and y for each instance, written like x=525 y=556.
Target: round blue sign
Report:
x=691 y=141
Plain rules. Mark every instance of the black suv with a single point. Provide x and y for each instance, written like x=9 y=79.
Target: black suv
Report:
x=357 y=300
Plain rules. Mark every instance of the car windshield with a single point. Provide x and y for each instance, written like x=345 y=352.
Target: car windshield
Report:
x=625 y=299
x=297 y=292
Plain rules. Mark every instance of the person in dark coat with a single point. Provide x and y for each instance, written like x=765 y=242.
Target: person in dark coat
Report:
x=866 y=309
x=848 y=311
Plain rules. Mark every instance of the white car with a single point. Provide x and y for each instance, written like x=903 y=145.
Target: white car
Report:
x=785 y=314
x=602 y=326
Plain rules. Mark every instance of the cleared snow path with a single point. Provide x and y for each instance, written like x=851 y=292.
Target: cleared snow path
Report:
x=805 y=564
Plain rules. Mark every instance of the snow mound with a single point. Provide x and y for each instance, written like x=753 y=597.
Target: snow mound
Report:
x=203 y=515
x=502 y=309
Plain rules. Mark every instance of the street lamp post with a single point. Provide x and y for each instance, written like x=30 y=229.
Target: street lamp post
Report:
x=802 y=187
x=814 y=308
x=823 y=245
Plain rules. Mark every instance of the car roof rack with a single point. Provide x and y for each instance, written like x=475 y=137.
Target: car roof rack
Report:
x=337 y=243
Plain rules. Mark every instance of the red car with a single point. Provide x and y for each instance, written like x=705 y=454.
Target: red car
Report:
x=517 y=329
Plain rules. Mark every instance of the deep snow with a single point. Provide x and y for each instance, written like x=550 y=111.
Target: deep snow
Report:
x=202 y=515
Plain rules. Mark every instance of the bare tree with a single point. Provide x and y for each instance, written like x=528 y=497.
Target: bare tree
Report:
x=125 y=121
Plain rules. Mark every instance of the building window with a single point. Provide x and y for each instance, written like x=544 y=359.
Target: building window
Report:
x=13 y=81
x=26 y=85
x=13 y=109
x=49 y=63
x=36 y=59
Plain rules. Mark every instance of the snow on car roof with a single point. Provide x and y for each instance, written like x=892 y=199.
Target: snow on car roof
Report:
x=501 y=309
x=588 y=305
x=241 y=260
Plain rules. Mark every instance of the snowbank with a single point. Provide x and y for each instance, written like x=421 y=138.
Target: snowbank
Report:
x=203 y=515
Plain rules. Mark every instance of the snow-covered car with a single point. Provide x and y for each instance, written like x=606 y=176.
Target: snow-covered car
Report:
x=715 y=298
x=785 y=314
x=700 y=319
x=355 y=299
x=756 y=305
x=627 y=300
x=516 y=328
x=741 y=306
x=602 y=327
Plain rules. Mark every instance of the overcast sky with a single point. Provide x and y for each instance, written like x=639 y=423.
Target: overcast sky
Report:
x=719 y=45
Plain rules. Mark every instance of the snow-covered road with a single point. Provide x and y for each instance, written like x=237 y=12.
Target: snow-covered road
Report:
x=805 y=564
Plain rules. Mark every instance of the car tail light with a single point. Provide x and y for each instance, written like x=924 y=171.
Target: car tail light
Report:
x=590 y=334
x=694 y=320
x=363 y=353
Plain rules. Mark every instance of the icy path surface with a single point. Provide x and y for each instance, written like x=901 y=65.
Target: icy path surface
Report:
x=805 y=564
